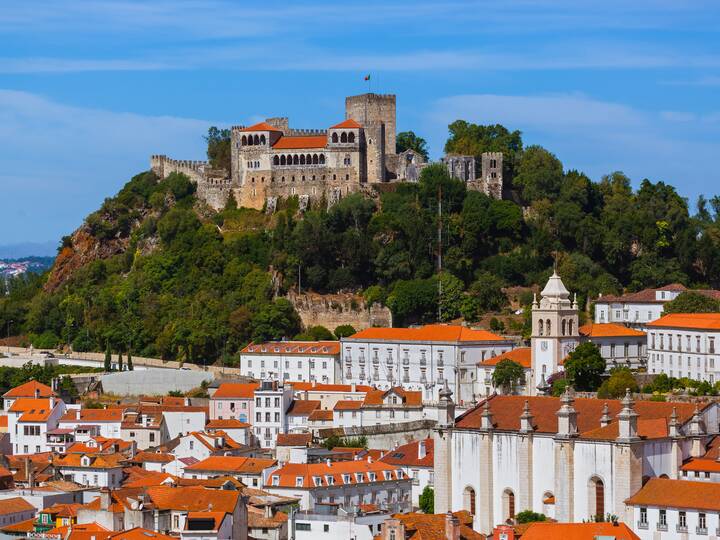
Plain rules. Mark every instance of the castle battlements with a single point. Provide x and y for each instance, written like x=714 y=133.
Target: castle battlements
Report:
x=307 y=132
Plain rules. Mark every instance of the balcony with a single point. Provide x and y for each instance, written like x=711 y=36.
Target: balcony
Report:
x=701 y=530
x=423 y=362
x=406 y=361
x=406 y=379
x=681 y=528
x=662 y=527
x=440 y=362
x=642 y=524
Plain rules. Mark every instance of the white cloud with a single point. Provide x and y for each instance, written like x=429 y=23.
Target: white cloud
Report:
x=60 y=162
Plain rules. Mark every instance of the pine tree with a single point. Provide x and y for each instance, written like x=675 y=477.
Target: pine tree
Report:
x=108 y=357
x=129 y=361
x=120 y=361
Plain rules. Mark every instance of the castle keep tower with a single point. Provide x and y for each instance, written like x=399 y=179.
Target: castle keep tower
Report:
x=376 y=113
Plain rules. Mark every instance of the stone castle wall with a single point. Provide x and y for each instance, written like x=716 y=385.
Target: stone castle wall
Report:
x=334 y=310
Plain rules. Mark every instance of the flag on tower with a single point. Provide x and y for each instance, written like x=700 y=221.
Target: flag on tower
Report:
x=367 y=77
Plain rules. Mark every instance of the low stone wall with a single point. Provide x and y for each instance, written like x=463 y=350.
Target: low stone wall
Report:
x=385 y=436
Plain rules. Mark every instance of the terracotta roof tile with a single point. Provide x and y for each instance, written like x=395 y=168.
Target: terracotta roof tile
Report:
x=260 y=126
x=521 y=355
x=409 y=454
x=28 y=390
x=232 y=464
x=678 y=494
x=432 y=526
x=320 y=415
x=430 y=332
x=308 y=348
x=608 y=330
x=192 y=498
x=578 y=531
x=347 y=124
x=302 y=386
x=138 y=533
x=20 y=527
x=700 y=321
x=348 y=405
x=409 y=398
x=14 y=505
x=293 y=439
x=236 y=390
x=92 y=415
x=257 y=519
x=645 y=296
x=302 y=142
x=229 y=423
x=342 y=472
x=701 y=465
x=31 y=409
x=303 y=407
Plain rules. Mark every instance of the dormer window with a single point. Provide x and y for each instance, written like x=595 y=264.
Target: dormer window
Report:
x=298 y=481
x=330 y=480
x=275 y=480
x=399 y=474
x=372 y=476
x=388 y=475
x=346 y=478
x=359 y=477
x=317 y=480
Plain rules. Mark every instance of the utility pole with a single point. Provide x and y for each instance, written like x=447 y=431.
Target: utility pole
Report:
x=439 y=260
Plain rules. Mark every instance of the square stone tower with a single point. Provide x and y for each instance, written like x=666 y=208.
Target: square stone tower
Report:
x=376 y=113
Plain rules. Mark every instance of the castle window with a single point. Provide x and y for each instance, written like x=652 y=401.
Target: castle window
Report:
x=334 y=137
x=244 y=140
x=347 y=160
x=323 y=177
x=262 y=139
x=283 y=178
x=276 y=160
x=249 y=140
x=296 y=160
x=315 y=159
x=334 y=177
x=262 y=179
x=282 y=160
x=343 y=137
x=347 y=177
x=302 y=160
x=322 y=159
x=302 y=178
x=256 y=140
x=292 y=178
x=313 y=177
x=351 y=137
x=252 y=179
x=308 y=159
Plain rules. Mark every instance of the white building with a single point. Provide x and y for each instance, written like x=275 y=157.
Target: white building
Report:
x=642 y=307
x=30 y=389
x=329 y=394
x=521 y=356
x=107 y=421
x=347 y=484
x=420 y=358
x=619 y=345
x=683 y=509
x=335 y=523
x=571 y=459
x=272 y=401
x=417 y=460
x=292 y=361
x=685 y=345
x=91 y=470
x=29 y=420
x=384 y=407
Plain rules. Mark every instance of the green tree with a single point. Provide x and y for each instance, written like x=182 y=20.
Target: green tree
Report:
x=108 y=357
x=539 y=174
x=344 y=330
x=585 y=366
x=614 y=387
x=451 y=296
x=692 y=302
x=407 y=140
x=315 y=333
x=472 y=139
x=120 y=361
x=218 y=148
x=427 y=501
x=507 y=375
x=129 y=361
x=528 y=516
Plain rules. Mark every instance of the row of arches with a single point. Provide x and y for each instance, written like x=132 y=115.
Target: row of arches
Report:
x=344 y=137
x=299 y=159
x=596 y=500
x=253 y=140
x=567 y=327
x=313 y=178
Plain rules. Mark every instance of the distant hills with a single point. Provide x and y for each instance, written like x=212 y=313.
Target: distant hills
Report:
x=15 y=267
x=28 y=249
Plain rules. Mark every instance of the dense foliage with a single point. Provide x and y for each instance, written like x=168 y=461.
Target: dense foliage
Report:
x=197 y=285
x=584 y=367
x=692 y=302
x=426 y=501
x=507 y=375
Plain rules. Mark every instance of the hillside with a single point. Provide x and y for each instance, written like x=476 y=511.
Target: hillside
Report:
x=157 y=272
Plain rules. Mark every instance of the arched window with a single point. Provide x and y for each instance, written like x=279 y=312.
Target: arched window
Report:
x=564 y=326
x=302 y=159
x=343 y=137
x=596 y=498
x=276 y=160
x=570 y=327
x=469 y=500
x=351 y=137
x=256 y=140
x=508 y=505
x=322 y=159
x=282 y=160
x=308 y=159
x=334 y=137
x=548 y=327
x=262 y=139
x=243 y=140
x=315 y=159
x=296 y=160
x=540 y=327
x=548 y=501
x=249 y=140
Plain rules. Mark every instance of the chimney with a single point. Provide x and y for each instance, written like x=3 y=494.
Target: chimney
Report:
x=104 y=499
x=605 y=418
x=422 y=449
x=37 y=393
x=452 y=527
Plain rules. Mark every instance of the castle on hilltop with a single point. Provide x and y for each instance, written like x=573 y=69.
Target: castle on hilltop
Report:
x=271 y=161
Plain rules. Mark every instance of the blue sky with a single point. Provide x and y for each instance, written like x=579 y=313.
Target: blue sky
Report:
x=88 y=90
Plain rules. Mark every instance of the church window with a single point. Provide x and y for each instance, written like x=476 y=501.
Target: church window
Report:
x=351 y=137
x=570 y=327
x=343 y=137
x=547 y=327
x=508 y=505
x=334 y=137
x=564 y=326
x=469 y=500
x=540 y=327
x=596 y=498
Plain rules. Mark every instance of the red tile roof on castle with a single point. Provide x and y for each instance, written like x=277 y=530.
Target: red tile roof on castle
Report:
x=668 y=493
x=342 y=472
x=301 y=142
x=409 y=454
x=506 y=412
x=521 y=355
x=429 y=332
x=28 y=390
x=699 y=321
x=260 y=126
x=578 y=531
x=347 y=124
x=236 y=390
x=598 y=330
x=316 y=348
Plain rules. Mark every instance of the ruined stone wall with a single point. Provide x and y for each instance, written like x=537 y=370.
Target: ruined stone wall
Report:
x=163 y=166
x=333 y=310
